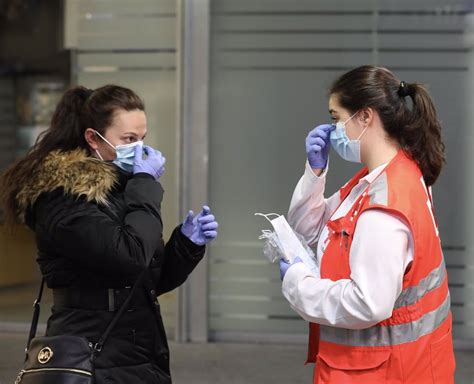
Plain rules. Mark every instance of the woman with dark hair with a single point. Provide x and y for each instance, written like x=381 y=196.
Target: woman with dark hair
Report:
x=90 y=191
x=379 y=310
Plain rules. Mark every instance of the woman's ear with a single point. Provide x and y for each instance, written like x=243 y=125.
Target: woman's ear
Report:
x=367 y=116
x=91 y=138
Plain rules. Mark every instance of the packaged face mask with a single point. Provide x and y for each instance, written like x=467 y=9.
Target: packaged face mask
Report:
x=285 y=243
x=272 y=248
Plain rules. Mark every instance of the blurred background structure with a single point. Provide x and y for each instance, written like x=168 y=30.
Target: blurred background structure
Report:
x=231 y=89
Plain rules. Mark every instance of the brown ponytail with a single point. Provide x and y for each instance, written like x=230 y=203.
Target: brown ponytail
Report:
x=78 y=109
x=422 y=134
x=415 y=127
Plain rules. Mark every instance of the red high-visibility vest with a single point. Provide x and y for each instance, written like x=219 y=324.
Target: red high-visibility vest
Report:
x=415 y=344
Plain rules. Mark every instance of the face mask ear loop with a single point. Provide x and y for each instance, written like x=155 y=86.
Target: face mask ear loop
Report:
x=365 y=129
x=266 y=216
x=350 y=118
x=98 y=154
x=107 y=141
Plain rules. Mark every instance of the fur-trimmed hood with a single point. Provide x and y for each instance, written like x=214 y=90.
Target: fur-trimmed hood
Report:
x=75 y=171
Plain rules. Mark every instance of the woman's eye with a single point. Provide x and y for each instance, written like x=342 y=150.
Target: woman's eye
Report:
x=131 y=139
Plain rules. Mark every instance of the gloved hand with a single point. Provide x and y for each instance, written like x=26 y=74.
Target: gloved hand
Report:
x=153 y=163
x=317 y=145
x=284 y=266
x=200 y=229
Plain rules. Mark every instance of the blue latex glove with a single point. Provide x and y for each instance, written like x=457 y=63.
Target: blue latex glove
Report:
x=317 y=145
x=153 y=163
x=200 y=229
x=284 y=266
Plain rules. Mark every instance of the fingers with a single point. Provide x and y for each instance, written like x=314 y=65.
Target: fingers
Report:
x=210 y=226
x=138 y=152
x=162 y=161
x=148 y=150
x=210 y=234
x=208 y=223
x=318 y=134
x=205 y=211
x=189 y=218
x=317 y=141
x=284 y=261
x=206 y=219
x=321 y=130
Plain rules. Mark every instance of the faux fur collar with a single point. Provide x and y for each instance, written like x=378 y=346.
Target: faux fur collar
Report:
x=74 y=171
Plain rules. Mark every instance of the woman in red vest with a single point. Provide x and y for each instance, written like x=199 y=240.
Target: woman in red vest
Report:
x=379 y=310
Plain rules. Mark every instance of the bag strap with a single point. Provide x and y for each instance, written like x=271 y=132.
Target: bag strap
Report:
x=36 y=313
x=97 y=347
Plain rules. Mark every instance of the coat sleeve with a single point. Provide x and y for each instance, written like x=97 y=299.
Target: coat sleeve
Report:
x=80 y=231
x=181 y=257
x=309 y=210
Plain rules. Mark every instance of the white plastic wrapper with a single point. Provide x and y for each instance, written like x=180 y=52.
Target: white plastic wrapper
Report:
x=285 y=243
x=271 y=246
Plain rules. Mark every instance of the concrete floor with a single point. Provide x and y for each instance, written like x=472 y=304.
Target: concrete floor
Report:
x=227 y=363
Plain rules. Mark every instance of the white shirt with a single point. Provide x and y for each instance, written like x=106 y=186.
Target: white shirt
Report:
x=381 y=250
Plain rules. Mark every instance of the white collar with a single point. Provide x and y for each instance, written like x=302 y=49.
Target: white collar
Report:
x=374 y=174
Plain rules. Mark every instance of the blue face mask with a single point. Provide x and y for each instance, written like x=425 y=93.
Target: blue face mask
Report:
x=348 y=149
x=125 y=154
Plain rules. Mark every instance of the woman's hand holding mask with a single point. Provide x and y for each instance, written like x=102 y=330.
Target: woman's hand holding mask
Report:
x=149 y=160
x=317 y=145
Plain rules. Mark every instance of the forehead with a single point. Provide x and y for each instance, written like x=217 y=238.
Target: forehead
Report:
x=334 y=105
x=132 y=121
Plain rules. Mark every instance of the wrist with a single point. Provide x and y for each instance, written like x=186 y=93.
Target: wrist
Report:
x=318 y=171
x=143 y=175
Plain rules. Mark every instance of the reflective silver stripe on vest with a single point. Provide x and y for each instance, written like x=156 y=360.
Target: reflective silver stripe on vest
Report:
x=411 y=295
x=378 y=190
x=388 y=335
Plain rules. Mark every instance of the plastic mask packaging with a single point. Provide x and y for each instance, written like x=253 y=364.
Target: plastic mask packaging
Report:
x=285 y=243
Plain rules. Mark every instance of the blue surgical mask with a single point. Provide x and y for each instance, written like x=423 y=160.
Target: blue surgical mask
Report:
x=346 y=148
x=125 y=154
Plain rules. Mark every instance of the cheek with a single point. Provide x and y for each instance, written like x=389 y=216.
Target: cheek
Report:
x=107 y=152
x=351 y=131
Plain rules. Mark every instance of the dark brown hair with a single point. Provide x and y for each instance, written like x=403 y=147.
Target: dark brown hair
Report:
x=415 y=127
x=78 y=109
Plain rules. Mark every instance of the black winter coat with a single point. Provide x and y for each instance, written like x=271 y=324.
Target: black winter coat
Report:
x=97 y=228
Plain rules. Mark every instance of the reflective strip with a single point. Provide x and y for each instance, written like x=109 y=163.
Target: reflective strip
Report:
x=411 y=295
x=378 y=190
x=388 y=335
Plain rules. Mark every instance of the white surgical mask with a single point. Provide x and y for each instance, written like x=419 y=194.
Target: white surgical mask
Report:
x=346 y=148
x=125 y=154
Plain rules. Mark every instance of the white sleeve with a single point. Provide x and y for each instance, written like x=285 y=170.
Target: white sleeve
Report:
x=309 y=211
x=381 y=251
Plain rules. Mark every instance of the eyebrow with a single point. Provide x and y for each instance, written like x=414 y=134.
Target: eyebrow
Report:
x=134 y=134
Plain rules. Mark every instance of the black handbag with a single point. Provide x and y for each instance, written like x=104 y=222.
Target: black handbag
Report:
x=63 y=359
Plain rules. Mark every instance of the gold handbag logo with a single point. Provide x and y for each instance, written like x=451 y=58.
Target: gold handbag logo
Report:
x=45 y=355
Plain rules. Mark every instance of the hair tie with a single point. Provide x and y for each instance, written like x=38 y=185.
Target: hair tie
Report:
x=403 y=90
